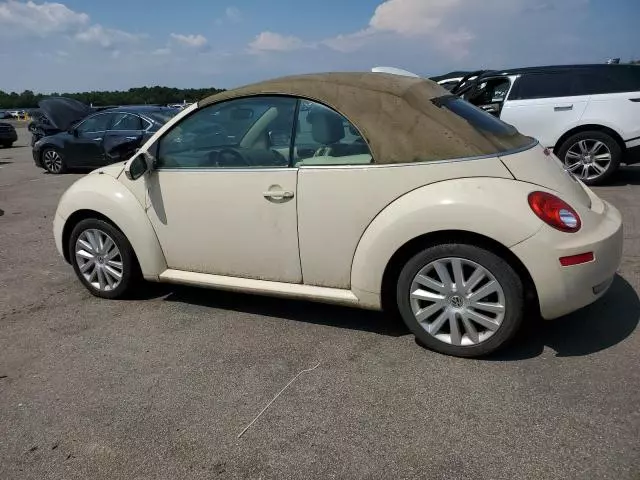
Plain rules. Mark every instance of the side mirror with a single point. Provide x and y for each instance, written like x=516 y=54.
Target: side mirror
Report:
x=139 y=165
x=73 y=131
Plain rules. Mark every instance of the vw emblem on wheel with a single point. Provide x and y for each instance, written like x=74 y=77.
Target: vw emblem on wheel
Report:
x=456 y=302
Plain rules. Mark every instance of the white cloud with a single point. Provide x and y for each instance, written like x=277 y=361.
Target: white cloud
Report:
x=275 y=42
x=106 y=37
x=194 y=41
x=349 y=42
x=412 y=17
x=39 y=19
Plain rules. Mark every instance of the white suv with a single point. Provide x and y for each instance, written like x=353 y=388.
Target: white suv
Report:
x=589 y=115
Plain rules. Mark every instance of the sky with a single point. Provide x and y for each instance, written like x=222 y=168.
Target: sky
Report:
x=83 y=45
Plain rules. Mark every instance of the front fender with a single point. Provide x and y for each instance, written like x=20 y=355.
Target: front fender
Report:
x=104 y=194
x=493 y=207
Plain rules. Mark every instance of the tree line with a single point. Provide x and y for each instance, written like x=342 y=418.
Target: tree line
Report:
x=133 y=96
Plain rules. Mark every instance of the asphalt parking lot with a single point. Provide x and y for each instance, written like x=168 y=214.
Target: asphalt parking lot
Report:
x=161 y=387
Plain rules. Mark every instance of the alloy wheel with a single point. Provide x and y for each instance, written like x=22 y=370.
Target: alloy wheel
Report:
x=52 y=161
x=457 y=301
x=588 y=159
x=99 y=260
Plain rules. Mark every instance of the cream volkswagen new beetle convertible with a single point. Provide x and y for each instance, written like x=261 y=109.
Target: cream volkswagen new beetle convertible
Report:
x=371 y=190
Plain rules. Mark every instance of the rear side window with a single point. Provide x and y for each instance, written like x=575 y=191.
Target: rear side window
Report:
x=615 y=80
x=478 y=118
x=126 y=121
x=500 y=135
x=544 y=85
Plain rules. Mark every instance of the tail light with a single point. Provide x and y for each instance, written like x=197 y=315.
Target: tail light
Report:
x=554 y=212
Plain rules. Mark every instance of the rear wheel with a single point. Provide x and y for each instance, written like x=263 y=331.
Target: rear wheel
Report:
x=591 y=156
x=103 y=259
x=7 y=144
x=460 y=300
x=52 y=161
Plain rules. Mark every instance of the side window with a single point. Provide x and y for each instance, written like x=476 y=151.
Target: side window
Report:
x=544 y=85
x=126 y=121
x=324 y=137
x=493 y=90
x=97 y=123
x=249 y=132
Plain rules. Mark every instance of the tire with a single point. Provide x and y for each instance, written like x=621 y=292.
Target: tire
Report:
x=53 y=161
x=583 y=144
x=456 y=306
x=7 y=145
x=103 y=283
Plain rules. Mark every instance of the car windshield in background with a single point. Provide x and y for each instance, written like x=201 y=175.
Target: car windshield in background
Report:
x=503 y=135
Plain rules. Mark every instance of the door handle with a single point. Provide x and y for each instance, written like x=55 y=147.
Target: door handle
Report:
x=278 y=195
x=563 y=108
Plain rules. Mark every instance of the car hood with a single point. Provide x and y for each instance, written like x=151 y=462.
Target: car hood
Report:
x=63 y=112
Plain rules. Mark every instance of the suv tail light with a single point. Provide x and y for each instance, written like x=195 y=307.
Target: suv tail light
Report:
x=554 y=212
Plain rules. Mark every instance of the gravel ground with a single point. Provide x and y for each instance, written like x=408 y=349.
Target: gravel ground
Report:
x=161 y=387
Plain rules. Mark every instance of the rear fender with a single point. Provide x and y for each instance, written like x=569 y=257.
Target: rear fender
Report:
x=104 y=194
x=491 y=207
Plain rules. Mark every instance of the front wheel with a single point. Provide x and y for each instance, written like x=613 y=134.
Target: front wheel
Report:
x=103 y=259
x=460 y=299
x=52 y=161
x=591 y=156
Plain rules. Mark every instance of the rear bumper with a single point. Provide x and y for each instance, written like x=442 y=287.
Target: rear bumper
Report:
x=562 y=290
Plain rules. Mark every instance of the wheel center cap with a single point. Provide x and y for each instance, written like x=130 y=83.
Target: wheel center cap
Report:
x=456 y=301
x=100 y=260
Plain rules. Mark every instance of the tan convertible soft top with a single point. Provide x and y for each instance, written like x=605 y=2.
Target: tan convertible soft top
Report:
x=394 y=113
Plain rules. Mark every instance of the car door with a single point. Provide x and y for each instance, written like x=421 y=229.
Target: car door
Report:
x=84 y=147
x=124 y=136
x=222 y=200
x=545 y=105
x=615 y=100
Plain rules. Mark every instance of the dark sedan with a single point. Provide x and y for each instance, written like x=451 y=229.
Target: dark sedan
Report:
x=99 y=139
x=8 y=134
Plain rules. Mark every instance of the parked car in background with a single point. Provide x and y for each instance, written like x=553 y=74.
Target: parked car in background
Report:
x=40 y=127
x=435 y=209
x=91 y=140
x=589 y=115
x=8 y=134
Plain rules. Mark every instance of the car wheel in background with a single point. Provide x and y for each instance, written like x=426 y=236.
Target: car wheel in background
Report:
x=52 y=161
x=103 y=258
x=7 y=144
x=591 y=156
x=460 y=300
